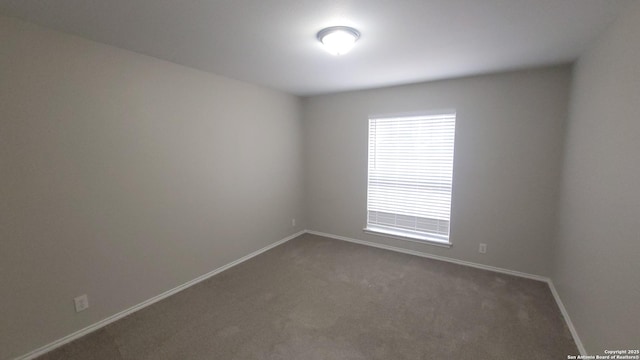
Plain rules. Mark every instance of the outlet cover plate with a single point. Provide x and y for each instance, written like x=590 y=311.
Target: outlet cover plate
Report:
x=81 y=302
x=482 y=249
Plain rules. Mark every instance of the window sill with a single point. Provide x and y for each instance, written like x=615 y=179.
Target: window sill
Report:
x=400 y=235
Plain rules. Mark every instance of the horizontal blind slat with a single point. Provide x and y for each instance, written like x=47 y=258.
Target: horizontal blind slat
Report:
x=410 y=172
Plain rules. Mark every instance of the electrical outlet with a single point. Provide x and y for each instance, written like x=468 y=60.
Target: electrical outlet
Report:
x=81 y=302
x=482 y=249
x=293 y=222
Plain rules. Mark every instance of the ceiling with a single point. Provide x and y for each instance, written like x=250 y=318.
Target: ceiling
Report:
x=273 y=42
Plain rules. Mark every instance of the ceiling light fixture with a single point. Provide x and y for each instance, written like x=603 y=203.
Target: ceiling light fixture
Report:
x=338 y=40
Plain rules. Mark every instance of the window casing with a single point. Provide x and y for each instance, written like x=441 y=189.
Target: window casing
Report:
x=410 y=176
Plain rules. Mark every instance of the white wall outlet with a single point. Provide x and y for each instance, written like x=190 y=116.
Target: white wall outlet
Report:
x=482 y=249
x=81 y=302
x=293 y=222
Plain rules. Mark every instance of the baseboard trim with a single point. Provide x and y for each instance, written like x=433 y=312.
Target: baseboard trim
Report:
x=431 y=256
x=567 y=319
x=547 y=280
x=102 y=323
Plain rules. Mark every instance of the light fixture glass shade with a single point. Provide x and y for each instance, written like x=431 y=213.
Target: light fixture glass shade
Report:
x=338 y=40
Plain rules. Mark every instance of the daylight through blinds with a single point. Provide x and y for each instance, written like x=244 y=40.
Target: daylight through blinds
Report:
x=410 y=174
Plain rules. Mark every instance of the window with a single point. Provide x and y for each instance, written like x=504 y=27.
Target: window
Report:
x=410 y=176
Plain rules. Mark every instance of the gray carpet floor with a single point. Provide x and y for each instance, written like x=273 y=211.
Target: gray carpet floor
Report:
x=318 y=298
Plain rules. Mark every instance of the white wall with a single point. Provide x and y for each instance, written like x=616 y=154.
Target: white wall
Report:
x=597 y=263
x=123 y=176
x=509 y=138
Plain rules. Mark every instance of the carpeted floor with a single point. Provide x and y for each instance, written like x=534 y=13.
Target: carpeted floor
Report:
x=318 y=298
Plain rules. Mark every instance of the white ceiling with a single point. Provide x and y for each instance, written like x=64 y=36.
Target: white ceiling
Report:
x=273 y=42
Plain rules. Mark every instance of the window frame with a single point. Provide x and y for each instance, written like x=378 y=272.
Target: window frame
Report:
x=405 y=234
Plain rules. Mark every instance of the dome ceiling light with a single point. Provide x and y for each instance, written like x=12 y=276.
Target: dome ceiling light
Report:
x=338 y=40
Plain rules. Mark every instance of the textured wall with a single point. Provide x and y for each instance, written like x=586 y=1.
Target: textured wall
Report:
x=509 y=136
x=124 y=176
x=597 y=267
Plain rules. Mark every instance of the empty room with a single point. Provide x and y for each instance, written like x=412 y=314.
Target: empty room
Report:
x=339 y=179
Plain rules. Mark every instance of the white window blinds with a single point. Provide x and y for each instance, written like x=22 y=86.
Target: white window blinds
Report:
x=410 y=175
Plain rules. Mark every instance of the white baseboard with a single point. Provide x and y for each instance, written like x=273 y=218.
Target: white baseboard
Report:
x=567 y=319
x=563 y=310
x=102 y=323
x=430 y=256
